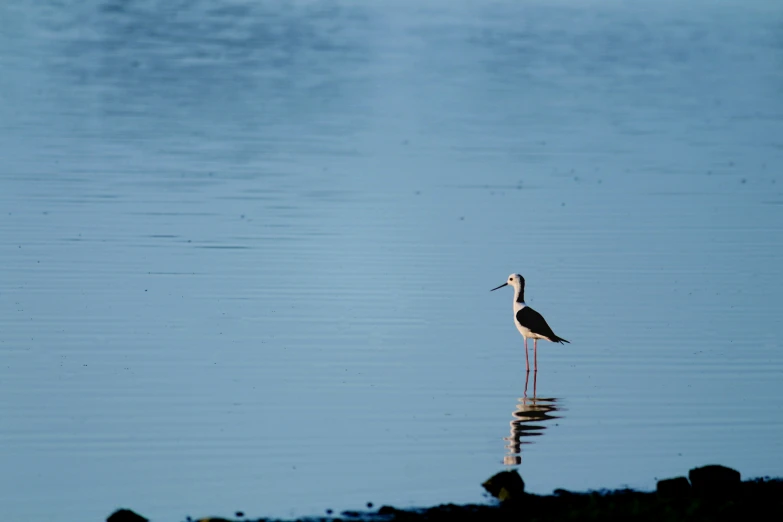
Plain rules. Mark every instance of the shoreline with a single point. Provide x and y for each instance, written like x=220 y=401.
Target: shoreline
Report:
x=709 y=493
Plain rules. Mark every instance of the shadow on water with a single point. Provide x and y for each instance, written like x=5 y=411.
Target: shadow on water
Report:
x=527 y=421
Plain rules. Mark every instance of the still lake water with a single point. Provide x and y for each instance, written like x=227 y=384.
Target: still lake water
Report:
x=247 y=249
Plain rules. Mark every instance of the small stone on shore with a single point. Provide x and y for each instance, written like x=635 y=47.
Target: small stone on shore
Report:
x=506 y=486
x=677 y=487
x=714 y=480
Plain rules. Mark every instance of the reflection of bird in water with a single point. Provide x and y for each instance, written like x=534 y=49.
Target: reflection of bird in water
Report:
x=527 y=416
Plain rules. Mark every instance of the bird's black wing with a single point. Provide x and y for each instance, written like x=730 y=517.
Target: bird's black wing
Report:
x=536 y=323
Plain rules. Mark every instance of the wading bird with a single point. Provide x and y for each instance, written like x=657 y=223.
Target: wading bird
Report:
x=530 y=323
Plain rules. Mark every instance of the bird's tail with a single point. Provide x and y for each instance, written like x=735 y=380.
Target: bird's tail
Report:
x=560 y=340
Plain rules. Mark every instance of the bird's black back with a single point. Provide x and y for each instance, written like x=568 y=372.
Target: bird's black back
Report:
x=536 y=323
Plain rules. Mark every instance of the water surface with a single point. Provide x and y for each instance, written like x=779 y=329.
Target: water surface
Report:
x=247 y=250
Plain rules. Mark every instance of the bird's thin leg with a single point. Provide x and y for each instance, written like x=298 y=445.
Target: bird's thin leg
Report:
x=535 y=383
x=535 y=355
x=527 y=362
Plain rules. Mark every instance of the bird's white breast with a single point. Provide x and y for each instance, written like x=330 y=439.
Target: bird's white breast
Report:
x=527 y=333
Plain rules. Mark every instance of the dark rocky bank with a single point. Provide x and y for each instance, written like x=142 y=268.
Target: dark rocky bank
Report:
x=709 y=493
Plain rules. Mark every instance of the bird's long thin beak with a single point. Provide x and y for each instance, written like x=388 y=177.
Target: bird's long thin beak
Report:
x=501 y=286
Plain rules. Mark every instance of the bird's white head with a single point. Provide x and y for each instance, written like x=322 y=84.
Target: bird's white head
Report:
x=516 y=281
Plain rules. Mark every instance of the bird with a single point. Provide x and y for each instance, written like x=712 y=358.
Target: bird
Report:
x=530 y=323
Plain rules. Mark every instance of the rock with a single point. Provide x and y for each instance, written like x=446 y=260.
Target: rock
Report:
x=714 y=480
x=506 y=486
x=389 y=511
x=677 y=487
x=125 y=515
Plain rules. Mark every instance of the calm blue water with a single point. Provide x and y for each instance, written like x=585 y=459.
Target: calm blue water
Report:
x=247 y=250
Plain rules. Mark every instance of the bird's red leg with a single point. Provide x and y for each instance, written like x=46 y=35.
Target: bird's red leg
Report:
x=527 y=362
x=535 y=354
